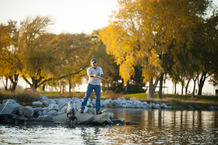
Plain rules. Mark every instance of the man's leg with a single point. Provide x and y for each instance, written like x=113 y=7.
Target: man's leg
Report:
x=97 y=90
x=87 y=95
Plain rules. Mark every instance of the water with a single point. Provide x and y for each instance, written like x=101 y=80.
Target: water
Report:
x=154 y=127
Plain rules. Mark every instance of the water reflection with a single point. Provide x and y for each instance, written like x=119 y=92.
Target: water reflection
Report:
x=163 y=126
x=155 y=127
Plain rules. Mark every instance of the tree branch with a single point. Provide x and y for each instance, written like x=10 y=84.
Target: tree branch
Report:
x=64 y=76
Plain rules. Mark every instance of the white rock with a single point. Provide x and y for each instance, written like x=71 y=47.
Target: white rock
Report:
x=37 y=103
x=163 y=105
x=52 y=113
x=155 y=106
x=27 y=111
x=52 y=107
x=99 y=119
x=45 y=118
x=45 y=100
x=9 y=106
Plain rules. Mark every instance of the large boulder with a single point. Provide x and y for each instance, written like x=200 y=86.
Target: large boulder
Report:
x=100 y=119
x=84 y=118
x=28 y=111
x=52 y=107
x=9 y=106
x=53 y=113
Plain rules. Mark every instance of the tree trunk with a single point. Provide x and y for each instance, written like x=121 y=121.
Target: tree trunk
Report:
x=182 y=83
x=151 y=89
x=14 y=82
x=175 y=88
x=186 y=87
x=182 y=89
x=201 y=82
x=70 y=84
x=34 y=84
x=5 y=84
x=193 y=93
x=161 y=86
x=43 y=87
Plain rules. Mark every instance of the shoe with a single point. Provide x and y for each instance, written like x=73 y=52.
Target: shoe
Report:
x=99 y=112
x=81 y=111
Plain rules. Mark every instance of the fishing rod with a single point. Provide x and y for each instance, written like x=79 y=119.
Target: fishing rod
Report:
x=105 y=79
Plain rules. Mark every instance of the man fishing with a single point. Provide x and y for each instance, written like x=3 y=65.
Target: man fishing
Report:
x=94 y=73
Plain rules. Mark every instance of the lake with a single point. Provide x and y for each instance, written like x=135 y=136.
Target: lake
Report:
x=154 y=127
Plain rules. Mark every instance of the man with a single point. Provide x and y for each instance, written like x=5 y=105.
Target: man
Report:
x=94 y=73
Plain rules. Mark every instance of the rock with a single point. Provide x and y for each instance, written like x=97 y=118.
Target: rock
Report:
x=53 y=107
x=93 y=102
x=64 y=109
x=90 y=111
x=51 y=101
x=37 y=103
x=27 y=111
x=100 y=119
x=130 y=123
x=36 y=110
x=106 y=103
x=44 y=118
x=9 y=106
x=120 y=121
x=61 y=103
x=211 y=108
x=45 y=100
x=163 y=105
x=71 y=112
x=155 y=106
x=52 y=113
x=111 y=115
x=60 y=119
x=83 y=118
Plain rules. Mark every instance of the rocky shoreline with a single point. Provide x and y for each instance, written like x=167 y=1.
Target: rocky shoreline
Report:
x=53 y=111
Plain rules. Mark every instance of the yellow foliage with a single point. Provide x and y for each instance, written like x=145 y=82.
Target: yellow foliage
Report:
x=147 y=33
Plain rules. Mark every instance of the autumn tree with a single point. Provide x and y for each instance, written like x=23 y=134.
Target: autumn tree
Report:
x=9 y=54
x=106 y=61
x=74 y=57
x=151 y=34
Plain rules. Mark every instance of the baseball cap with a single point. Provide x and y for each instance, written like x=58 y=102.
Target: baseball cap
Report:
x=93 y=60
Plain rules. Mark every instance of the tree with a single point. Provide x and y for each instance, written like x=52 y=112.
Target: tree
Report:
x=9 y=54
x=105 y=60
x=150 y=34
x=206 y=45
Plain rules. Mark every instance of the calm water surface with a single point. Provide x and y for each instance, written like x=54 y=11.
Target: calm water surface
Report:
x=154 y=127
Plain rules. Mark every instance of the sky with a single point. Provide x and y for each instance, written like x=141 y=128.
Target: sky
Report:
x=73 y=16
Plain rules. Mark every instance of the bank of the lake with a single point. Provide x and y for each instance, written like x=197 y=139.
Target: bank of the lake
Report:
x=183 y=102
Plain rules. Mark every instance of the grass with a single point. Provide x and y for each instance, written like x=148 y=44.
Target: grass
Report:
x=23 y=98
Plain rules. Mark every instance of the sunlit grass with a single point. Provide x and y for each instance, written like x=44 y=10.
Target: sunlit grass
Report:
x=24 y=98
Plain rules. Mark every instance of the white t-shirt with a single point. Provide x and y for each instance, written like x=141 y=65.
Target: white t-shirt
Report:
x=93 y=80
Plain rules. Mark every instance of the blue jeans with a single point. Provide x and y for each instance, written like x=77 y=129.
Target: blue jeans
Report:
x=90 y=88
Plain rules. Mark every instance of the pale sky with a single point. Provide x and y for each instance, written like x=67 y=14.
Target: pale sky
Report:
x=73 y=16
